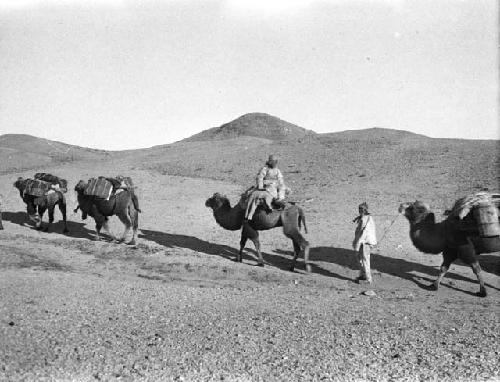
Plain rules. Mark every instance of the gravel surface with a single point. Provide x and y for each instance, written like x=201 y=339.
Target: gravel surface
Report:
x=177 y=308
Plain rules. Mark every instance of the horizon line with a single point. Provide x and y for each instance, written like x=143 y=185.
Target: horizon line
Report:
x=183 y=139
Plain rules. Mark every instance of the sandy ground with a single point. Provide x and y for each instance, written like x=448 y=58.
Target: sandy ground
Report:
x=177 y=307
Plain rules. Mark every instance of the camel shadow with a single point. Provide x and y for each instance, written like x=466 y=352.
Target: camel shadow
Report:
x=170 y=240
x=315 y=268
x=401 y=268
x=190 y=242
x=15 y=217
x=490 y=263
x=76 y=230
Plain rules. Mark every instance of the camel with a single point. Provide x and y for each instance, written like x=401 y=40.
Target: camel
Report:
x=232 y=218
x=119 y=204
x=37 y=205
x=451 y=237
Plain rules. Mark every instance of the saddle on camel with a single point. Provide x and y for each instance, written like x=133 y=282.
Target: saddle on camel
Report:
x=105 y=187
x=269 y=191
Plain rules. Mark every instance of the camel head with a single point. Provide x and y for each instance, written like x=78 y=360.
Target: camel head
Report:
x=216 y=201
x=80 y=186
x=417 y=212
x=20 y=184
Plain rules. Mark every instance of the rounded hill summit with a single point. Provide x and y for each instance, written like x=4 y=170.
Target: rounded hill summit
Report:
x=259 y=125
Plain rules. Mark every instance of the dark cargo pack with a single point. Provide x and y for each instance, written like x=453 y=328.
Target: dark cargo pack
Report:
x=36 y=187
x=63 y=183
x=100 y=187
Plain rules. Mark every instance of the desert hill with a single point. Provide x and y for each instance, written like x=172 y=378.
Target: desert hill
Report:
x=22 y=151
x=376 y=163
x=258 y=125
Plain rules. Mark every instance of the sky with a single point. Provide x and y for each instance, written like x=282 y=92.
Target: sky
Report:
x=123 y=74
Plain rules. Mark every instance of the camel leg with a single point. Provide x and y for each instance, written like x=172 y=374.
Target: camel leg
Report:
x=39 y=223
x=296 y=251
x=256 y=243
x=51 y=217
x=252 y=234
x=476 y=268
x=468 y=254
x=135 y=225
x=98 y=227
x=243 y=241
x=306 y=246
x=101 y=222
x=62 y=208
x=300 y=244
x=105 y=226
x=449 y=256
x=125 y=219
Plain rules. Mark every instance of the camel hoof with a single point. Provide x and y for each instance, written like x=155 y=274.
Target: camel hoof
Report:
x=482 y=293
x=435 y=286
x=308 y=268
x=132 y=242
x=260 y=264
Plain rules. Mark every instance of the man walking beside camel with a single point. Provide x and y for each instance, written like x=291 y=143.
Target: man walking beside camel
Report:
x=364 y=238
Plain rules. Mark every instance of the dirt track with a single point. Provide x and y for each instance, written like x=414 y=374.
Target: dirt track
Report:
x=176 y=307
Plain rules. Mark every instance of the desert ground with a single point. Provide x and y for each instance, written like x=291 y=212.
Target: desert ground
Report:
x=176 y=307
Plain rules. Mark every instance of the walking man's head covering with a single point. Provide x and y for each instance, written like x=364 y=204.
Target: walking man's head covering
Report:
x=363 y=208
x=272 y=161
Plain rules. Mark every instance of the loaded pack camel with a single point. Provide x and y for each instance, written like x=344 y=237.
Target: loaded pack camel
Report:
x=37 y=205
x=454 y=238
x=119 y=204
x=233 y=218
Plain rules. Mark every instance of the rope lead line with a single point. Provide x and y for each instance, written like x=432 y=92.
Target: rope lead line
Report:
x=387 y=229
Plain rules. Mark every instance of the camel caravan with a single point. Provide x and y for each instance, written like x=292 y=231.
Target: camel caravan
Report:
x=470 y=228
x=99 y=198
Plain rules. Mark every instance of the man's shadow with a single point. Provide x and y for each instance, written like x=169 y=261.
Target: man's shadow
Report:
x=169 y=240
x=76 y=230
x=402 y=268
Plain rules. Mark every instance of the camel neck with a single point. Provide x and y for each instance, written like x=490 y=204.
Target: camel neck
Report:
x=428 y=237
x=230 y=218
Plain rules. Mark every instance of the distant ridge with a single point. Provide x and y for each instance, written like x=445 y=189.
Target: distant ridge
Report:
x=29 y=143
x=21 y=151
x=375 y=133
x=259 y=125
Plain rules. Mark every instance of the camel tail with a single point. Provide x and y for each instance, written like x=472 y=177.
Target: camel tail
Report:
x=302 y=219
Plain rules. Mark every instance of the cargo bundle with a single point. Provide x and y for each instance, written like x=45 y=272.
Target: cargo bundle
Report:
x=36 y=187
x=99 y=187
x=481 y=210
x=57 y=182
